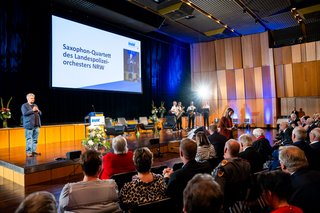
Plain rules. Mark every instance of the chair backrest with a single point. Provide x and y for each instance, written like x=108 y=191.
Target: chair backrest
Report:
x=154 y=206
x=143 y=120
x=158 y=169
x=122 y=121
x=123 y=178
x=108 y=122
x=154 y=141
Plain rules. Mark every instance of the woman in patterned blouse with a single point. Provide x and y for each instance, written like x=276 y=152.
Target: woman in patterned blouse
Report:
x=205 y=150
x=145 y=186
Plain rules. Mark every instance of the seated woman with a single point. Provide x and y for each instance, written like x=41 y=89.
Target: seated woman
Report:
x=262 y=144
x=146 y=186
x=205 y=150
x=119 y=161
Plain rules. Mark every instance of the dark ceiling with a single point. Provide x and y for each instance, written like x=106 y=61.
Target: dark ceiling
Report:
x=288 y=21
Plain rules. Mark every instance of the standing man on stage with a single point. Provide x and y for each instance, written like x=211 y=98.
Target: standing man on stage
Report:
x=205 y=113
x=31 y=123
x=191 y=110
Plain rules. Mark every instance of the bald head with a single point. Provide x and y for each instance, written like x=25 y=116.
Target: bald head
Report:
x=231 y=148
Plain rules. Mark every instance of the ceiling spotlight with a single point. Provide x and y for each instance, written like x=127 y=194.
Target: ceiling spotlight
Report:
x=293 y=9
x=218 y=21
x=158 y=1
x=232 y=30
x=226 y=26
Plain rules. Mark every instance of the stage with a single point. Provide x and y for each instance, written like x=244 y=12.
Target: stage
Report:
x=54 y=142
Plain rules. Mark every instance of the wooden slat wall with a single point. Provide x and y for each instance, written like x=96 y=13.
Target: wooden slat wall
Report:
x=246 y=71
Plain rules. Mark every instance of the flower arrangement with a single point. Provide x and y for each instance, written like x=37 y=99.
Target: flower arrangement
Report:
x=96 y=138
x=5 y=113
x=162 y=109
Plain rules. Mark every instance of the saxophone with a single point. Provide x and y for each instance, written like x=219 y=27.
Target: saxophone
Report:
x=180 y=112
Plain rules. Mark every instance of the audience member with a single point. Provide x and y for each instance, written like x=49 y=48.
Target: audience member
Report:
x=301 y=113
x=146 y=186
x=205 y=150
x=177 y=180
x=91 y=194
x=202 y=194
x=299 y=135
x=119 y=161
x=232 y=174
x=276 y=189
x=262 y=144
x=303 y=120
x=305 y=182
x=315 y=145
x=40 y=202
x=218 y=141
x=285 y=134
x=249 y=153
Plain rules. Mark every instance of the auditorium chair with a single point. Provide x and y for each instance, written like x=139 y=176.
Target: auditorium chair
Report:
x=145 y=125
x=113 y=130
x=155 y=206
x=158 y=169
x=128 y=127
x=122 y=178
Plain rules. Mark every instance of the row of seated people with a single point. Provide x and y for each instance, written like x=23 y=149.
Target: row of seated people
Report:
x=294 y=189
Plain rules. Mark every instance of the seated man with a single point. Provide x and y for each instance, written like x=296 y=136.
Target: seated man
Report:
x=250 y=154
x=178 y=180
x=233 y=175
x=91 y=194
x=202 y=194
x=217 y=140
x=305 y=182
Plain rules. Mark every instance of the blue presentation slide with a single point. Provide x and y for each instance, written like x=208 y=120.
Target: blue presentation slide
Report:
x=84 y=57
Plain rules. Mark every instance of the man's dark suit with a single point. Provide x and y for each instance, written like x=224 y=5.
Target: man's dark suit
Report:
x=306 y=190
x=316 y=148
x=218 y=141
x=179 y=179
x=263 y=146
x=309 y=152
x=255 y=159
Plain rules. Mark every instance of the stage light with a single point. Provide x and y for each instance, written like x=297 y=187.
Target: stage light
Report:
x=203 y=92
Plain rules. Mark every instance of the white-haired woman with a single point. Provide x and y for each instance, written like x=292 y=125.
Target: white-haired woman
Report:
x=118 y=161
x=262 y=144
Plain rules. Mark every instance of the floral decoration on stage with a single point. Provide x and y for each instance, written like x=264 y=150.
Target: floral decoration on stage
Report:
x=96 y=139
x=5 y=113
x=154 y=115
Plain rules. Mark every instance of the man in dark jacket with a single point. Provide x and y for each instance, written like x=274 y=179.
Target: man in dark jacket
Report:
x=177 y=180
x=218 y=141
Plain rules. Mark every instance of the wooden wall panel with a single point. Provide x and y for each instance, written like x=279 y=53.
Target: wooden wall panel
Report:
x=303 y=52
x=240 y=89
x=286 y=55
x=67 y=133
x=229 y=53
x=288 y=80
x=196 y=79
x=318 y=77
x=221 y=56
x=222 y=84
x=195 y=57
x=265 y=59
x=249 y=83
x=210 y=79
x=305 y=76
x=4 y=135
x=246 y=44
x=280 y=81
x=266 y=82
x=317 y=50
x=277 y=55
x=296 y=53
x=258 y=82
x=256 y=50
x=231 y=85
x=236 y=52
x=309 y=105
x=311 y=51
x=207 y=55
x=53 y=134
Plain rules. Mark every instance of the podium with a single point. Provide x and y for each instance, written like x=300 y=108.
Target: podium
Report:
x=95 y=119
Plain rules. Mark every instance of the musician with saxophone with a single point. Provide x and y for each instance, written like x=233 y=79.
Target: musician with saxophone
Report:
x=191 y=111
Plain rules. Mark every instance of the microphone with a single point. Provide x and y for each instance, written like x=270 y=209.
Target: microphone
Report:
x=94 y=110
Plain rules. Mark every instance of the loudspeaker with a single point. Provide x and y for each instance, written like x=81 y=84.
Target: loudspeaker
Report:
x=73 y=154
